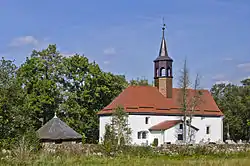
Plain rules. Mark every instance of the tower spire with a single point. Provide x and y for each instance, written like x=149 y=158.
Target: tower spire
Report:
x=163 y=49
x=163 y=68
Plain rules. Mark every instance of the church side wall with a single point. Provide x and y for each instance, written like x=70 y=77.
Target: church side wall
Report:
x=138 y=124
x=215 y=125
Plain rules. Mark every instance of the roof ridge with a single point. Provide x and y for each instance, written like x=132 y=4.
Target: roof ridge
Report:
x=143 y=97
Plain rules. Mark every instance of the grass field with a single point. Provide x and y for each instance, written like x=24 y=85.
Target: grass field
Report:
x=48 y=160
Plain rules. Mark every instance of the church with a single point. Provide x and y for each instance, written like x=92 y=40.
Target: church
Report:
x=155 y=112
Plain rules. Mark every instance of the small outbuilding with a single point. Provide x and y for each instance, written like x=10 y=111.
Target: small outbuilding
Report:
x=55 y=131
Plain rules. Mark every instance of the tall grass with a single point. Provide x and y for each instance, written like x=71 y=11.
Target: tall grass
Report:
x=46 y=159
x=27 y=153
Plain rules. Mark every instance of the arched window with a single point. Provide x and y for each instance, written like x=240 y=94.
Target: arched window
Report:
x=168 y=72
x=163 y=72
x=157 y=72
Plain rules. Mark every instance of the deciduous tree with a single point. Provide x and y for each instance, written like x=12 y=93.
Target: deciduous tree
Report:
x=118 y=132
x=140 y=82
x=189 y=101
x=234 y=101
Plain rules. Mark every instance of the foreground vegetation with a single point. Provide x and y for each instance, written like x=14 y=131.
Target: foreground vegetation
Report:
x=43 y=158
x=30 y=153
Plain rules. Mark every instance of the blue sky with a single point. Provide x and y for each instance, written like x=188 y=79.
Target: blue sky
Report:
x=123 y=37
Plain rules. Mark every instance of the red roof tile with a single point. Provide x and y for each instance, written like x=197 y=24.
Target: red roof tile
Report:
x=147 y=99
x=165 y=125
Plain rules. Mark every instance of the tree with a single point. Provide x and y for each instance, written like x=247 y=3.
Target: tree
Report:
x=234 y=101
x=118 y=132
x=248 y=124
x=189 y=101
x=110 y=140
x=194 y=101
x=86 y=90
x=184 y=84
x=13 y=119
x=46 y=83
x=140 y=82
x=39 y=77
x=7 y=96
x=246 y=82
x=120 y=125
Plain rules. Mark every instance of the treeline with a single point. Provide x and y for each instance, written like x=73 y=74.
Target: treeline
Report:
x=234 y=101
x=77 y=89
x=47 y=82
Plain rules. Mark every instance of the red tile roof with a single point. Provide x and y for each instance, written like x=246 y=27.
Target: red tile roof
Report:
x=148 y=100
x=165 y=125
x=168 y=124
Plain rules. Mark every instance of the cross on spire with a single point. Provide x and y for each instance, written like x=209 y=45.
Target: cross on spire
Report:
x=163 y=27
x=163 y=24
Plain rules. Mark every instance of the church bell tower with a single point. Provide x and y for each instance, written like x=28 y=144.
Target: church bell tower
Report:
x=163 y=73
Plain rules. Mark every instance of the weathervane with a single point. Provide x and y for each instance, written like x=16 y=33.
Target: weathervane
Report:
x=163 y=27
x=163 y=23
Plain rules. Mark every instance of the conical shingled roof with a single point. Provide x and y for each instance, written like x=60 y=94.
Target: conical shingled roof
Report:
x=55 y=129
x=163 y=53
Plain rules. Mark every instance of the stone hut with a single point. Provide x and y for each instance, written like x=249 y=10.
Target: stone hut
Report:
x=56 y=131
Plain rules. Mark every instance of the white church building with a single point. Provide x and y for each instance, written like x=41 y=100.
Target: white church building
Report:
x=156 y=112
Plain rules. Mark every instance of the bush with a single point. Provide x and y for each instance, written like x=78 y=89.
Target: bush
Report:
x=83 y=139
x=7 y=143
x=25 y=145
x=110 y=141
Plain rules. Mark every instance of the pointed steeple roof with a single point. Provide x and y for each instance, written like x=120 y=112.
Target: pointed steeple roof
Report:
x=55 y=129
x=163 y=49
x=163 y=53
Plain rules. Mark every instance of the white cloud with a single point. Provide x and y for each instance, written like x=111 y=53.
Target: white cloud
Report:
x=244 y=66
x=106 y=62
x=24 y=40
x=221 y=79
x=223 y=82
x=109 y=51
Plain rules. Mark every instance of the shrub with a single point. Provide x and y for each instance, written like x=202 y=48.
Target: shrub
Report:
x=110 y=141
x=7 y=143
x=25 y=145
x=83 y=139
